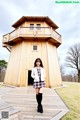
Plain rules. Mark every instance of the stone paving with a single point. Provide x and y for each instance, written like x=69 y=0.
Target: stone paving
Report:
x=21 y=104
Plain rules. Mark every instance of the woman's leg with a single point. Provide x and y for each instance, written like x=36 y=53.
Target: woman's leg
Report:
x=37 y=91
x=40 y=99
x=37 y=98
x=41 y=90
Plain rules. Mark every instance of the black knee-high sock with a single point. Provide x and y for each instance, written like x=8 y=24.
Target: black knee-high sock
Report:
x=40 y=98
x=37 y=98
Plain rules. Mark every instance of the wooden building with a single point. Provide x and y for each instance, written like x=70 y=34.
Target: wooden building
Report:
x=33 y=37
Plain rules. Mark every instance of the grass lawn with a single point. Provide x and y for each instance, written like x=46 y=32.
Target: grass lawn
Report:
x=1 y=86
x=71 y=96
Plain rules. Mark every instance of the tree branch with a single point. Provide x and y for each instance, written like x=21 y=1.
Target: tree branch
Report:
x=69 y=65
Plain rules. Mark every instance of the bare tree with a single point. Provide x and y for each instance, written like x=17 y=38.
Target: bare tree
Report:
x=73 y=58
x=62 y=66
x=62 y=70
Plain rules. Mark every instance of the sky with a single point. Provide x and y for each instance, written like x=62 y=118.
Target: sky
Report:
x=66 y=16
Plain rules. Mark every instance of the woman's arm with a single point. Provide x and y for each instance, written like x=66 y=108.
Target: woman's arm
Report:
x=33 y=73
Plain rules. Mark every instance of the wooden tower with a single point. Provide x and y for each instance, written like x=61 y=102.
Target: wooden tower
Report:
x=33 y=37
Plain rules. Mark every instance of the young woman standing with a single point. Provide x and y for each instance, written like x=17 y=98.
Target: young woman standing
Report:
x=38 y=74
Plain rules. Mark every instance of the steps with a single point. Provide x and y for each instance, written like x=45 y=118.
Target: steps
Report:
x=21 y=104
x=13 y=112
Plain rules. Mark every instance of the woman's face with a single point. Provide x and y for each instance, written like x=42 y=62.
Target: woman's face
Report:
x=38 y=63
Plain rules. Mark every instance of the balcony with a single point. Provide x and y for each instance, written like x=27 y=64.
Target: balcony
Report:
x=28 y=33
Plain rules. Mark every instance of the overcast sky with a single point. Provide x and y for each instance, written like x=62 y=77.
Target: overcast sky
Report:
x=66 y=16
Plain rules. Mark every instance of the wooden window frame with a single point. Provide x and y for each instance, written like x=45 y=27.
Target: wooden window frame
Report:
x=31 y=27
x=38 y=27
x=35 y=47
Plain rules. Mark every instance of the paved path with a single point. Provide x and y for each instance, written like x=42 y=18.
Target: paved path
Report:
x=23 y=99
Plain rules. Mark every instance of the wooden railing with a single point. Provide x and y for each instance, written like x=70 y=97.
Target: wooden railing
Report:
x=35 y=32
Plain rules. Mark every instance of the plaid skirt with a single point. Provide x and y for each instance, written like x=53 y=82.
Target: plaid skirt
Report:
x=39 y=84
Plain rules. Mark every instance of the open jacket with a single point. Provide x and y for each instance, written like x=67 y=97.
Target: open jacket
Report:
x=34 y=74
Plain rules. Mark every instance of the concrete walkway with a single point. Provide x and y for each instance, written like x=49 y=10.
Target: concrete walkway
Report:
x=24 y=103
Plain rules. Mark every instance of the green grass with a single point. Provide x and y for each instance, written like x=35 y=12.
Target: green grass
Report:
x=1 y=86
x=71 y=96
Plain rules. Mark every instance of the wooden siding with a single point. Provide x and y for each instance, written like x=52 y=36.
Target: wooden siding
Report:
x=13 y=68
x=22 y=59
x=54 y=69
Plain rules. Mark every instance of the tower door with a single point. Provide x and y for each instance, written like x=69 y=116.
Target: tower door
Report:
x=30 y=79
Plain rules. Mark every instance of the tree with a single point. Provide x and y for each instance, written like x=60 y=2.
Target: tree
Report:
x=62 y=66
x=73 y=58
x=62 y=70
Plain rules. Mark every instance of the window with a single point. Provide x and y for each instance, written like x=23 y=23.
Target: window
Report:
x=38 y=26
x=31 y=26
x=34 y=47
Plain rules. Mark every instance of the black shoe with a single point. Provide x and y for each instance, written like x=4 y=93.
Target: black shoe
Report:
x=40 y=109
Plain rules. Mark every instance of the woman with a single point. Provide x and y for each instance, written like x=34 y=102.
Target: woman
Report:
x=38 y=74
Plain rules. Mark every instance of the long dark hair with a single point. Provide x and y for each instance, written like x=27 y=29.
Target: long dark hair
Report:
x=38 y=59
